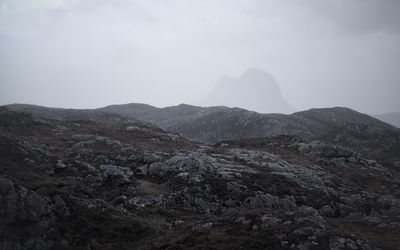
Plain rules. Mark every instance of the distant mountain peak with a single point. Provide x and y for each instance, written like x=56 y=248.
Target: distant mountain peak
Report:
x=255 y=90
x=257 y=75
x=259 y=78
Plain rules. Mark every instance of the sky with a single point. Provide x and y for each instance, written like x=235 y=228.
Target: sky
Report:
x=92 y=53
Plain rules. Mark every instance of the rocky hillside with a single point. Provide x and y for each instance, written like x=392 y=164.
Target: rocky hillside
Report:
x=358 y=132
x=105 y=181
x=342 y=126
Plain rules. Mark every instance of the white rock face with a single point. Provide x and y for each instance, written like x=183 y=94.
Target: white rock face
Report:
x=255 y=90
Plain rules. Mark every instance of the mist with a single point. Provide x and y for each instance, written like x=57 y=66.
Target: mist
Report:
x=86 y=54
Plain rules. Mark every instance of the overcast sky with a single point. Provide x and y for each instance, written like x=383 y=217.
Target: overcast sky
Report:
x=91 y=53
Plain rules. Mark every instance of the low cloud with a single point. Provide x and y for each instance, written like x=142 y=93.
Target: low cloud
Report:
x=94 y=52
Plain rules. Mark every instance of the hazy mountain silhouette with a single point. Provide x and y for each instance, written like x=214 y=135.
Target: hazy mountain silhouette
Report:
x=255 y=90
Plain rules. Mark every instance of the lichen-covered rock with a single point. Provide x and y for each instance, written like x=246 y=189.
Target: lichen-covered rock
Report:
x=115 y=174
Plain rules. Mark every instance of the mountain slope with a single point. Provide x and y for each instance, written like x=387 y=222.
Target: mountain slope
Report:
x=339 y=125
x=342 y=126
x=63 y=114
x=163 y=117
x=391 y=118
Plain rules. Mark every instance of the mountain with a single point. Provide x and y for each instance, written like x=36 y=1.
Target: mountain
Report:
x=338 y=125
x=344 y=127
x=391 y=118
x=64 y=114
x=255 y=90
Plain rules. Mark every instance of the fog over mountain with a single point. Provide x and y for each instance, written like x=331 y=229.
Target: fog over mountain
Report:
x=92 y=53
x=254 y=90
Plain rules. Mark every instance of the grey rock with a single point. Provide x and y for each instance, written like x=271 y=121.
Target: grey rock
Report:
x=120 y=175
x=160 y=169
x=60 y=164
x=345 y=210
x=203 y=227
x=327 y=211
x=268 y=221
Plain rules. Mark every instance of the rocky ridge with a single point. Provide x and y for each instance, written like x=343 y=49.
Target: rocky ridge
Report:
x=339 y=126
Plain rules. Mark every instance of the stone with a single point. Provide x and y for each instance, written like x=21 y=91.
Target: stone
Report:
x=119 y=175
x=327 y=211
x=268 y=221
x=345 y=210
x=160 y=169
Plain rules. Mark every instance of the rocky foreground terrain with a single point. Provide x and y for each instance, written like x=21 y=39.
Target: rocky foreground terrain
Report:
x=101 y=179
